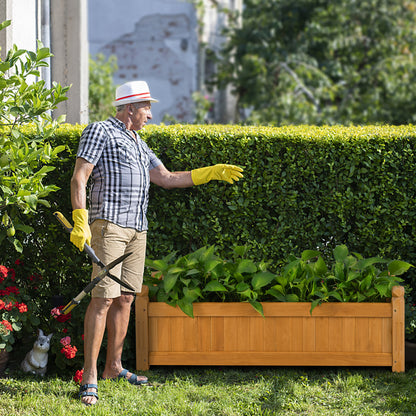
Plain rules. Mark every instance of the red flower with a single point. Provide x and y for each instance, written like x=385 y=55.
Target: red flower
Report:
x=12 y=289
x=18 y=262
x=7 y=325
x=65 y=330
x=57 y=314
x=22 y=307
x=12 y=274
x=8 y=306
x=78 y=376
x=3 y=272
x=2 y=305
x=63 y=317
x=65 y=341
x=35 y=276
x=69 y=351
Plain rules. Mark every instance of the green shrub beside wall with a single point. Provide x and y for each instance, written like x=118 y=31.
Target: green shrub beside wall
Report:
x=303 y=188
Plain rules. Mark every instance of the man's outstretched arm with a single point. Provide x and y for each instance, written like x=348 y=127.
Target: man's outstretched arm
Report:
x=168 y=180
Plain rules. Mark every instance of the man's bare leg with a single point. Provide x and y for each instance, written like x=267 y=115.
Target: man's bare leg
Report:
x=94 y=328
x=117 y=324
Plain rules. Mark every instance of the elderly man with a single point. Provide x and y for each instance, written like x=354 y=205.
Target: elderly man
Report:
x=121 y=167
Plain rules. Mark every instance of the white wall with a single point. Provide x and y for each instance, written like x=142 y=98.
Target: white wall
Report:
x=24 y=24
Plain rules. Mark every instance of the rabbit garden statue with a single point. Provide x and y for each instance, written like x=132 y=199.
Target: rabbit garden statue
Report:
x=36 y=359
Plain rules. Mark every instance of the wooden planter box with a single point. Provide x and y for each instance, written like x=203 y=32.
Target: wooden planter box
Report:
x=234 y=334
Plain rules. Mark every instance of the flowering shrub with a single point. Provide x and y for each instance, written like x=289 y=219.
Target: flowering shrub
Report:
x=21 y=313
x=17 y=309
x=69 y=334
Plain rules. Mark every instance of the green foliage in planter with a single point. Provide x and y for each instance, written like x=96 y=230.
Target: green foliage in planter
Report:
x=204 y=276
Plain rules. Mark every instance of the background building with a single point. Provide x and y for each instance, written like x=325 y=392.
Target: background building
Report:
x=62 y=26
x=162 y=41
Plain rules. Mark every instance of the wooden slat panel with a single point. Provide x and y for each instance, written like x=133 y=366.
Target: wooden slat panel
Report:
x=163 y=340
x=349 y=335
x=272 y=333
x=398 y=333
x=322 y=334
x=142 y=330
x=308 y=334
x=362 y=334
x=297 y=334
x=190 y=328
x=230 y=335
x=283 y=335
x=375 y=333
x=178 y=335
x=217 y=331
x=243 y=333
x=276 y=309
x=271 y=359
x=153 y=334
x=387 y=334
x=204 y=334
x=336 y=337
x=256 y=334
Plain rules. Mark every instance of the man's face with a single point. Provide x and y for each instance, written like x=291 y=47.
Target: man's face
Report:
x=141 y=113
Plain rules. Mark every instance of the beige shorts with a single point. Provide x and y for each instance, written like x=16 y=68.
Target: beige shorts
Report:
x=110 y=241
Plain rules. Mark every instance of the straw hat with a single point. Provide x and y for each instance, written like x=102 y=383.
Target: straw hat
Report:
x=133 y=92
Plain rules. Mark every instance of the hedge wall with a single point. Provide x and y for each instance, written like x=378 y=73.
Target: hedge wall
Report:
x=304 y=187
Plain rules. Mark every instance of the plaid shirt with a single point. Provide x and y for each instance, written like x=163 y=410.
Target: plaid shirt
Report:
x=119 y=190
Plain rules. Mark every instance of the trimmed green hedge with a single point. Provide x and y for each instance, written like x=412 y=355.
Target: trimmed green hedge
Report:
x=304 y=187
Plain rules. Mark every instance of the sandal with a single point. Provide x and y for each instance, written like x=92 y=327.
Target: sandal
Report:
x=133 y=379
x=84 y=393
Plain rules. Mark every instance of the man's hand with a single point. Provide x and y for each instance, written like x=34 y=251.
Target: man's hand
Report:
x=81 y=232
x=220 y=172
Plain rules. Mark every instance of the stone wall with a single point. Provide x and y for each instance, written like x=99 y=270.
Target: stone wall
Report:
x=160 y=42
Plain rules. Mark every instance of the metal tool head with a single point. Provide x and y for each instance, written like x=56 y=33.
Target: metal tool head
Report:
x=116 y=261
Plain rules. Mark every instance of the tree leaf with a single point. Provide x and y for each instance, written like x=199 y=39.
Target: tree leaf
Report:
x=262 y=279
x=398 y=267
x=215 y=286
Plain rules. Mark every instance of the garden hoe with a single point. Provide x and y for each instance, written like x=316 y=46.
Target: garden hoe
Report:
x=105 y=270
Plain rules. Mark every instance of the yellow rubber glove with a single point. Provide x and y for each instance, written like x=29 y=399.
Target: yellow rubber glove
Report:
x=220 y=172
x=81 y=232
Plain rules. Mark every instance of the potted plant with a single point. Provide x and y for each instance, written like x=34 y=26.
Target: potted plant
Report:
x=307 y=312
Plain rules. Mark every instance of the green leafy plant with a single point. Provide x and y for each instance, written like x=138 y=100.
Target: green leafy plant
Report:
x=101 y=87
x=26 y=153
x=203 y=276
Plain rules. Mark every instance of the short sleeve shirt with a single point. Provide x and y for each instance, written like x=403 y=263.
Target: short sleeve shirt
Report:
x=119 y=190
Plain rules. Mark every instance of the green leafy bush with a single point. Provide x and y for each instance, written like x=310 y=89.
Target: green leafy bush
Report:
x=203 y=276
x=26 y=156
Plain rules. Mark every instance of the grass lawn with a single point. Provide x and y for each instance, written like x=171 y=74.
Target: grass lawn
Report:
x=222 y=391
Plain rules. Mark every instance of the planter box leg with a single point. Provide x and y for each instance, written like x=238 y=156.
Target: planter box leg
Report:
x=142 y=330
x=397 y=304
